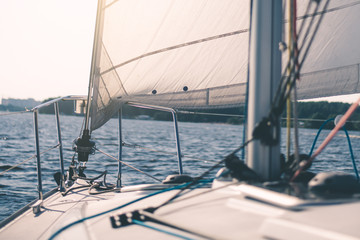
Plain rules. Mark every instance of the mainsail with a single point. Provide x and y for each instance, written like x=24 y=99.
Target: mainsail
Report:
x=332 y=64
x=194 y=54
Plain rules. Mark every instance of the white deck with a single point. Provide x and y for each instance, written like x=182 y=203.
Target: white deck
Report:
x=221 y=214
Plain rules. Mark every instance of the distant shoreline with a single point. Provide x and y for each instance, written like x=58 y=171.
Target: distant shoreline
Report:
x=310 y=114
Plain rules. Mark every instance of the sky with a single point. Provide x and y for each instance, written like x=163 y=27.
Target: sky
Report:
x=46 y=46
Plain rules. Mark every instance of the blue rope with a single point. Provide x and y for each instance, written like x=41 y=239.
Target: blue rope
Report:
x=318 y=133
x=111 y=210
x=159 y=229
x=351 y=153
x=348 y=140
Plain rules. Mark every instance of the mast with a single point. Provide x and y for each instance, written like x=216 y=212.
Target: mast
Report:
x=264 y=78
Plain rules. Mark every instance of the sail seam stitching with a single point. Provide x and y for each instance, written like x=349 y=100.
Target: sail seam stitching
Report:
x=176 y=47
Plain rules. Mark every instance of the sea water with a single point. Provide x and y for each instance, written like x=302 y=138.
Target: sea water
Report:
x=151 y=147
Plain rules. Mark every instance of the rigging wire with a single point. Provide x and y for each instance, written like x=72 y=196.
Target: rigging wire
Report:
x=131 y=145
x=282 y=86
x=289 y=62
x=290 y=57
x=295 y=103
x=283 y=92
x=126 y=164
x=312 y=37
x=28 y=159
x=296 y=127
x=329 y=10
x=293 y=53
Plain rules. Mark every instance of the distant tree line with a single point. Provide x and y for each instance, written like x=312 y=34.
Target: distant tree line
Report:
x=310 y=114
x=313 y=114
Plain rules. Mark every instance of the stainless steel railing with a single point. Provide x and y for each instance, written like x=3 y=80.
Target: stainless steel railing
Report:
x=55 y=102
x=35 y=110
x=174 y=116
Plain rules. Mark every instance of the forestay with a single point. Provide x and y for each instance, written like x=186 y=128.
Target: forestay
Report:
x=194 y=54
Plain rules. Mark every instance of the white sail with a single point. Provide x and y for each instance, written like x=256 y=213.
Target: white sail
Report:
x=194 y=54
x=168 y=47
x=332 y=64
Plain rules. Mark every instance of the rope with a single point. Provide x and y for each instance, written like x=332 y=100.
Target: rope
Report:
x=288 y=100
x=348 y=140
x=331 y=135
x=295 y=111
x=74 y=188
x=280 y=88
x=26 y=160
x=182 y=187
x=111 y=210
x=196 y=180
x=283 y=92
x=318 y=133
x=351 y=154
x=136 y=169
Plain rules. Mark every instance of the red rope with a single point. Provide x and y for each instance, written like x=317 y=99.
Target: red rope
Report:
x=331 y=135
